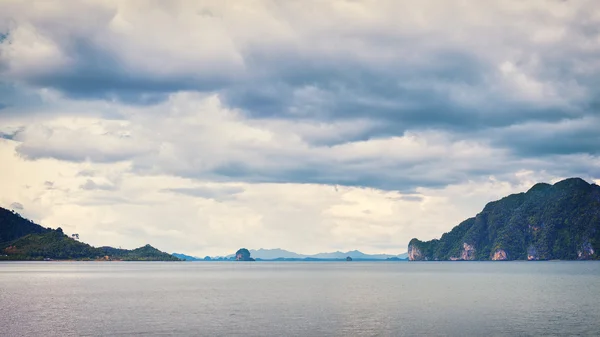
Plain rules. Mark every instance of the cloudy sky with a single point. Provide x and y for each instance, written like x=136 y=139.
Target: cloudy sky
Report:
x=205 y=126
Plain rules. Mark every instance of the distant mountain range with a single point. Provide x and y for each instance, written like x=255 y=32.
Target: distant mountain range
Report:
x=548 y=222
x=22 y=239
x=281 y=254
x=186 y=257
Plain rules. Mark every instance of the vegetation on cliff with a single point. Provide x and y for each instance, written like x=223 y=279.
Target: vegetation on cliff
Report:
x=52 y=244
x=21 y=239
x=560 y=221
x=13 y=226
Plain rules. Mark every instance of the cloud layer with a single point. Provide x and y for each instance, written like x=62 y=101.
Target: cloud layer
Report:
x=253 y=111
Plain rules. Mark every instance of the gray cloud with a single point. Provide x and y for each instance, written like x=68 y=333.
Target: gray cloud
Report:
x=99 y=65
x=524 y=88
x=9 y=135
x=90 y=185
x=38 y=141
x=409 y=79
x=96 y=155
x=414 y=198
x=546 y=139
x=16 y=205
x=216 y=193
x=86 y=173
x=98 y=74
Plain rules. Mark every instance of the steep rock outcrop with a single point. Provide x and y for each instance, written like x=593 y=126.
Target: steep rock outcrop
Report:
x=532 y=254
x=586 y=251
x=468 y=252
x=414 y=252
x=499 y=255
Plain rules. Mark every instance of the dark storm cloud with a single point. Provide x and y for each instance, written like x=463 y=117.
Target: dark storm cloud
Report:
x=540 y=140
x=403 y=93
x=350 y=88
x=16 y=101
x=364 y=173
x=414 y=90
x=400 y=96
x=401 y=81
x=98 y=73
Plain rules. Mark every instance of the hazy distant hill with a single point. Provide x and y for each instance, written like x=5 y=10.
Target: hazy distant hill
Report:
x=282 y=254
x=269 y=254
x=184 y=257
x=21 y=239
x=354 y=254
x=560 y=221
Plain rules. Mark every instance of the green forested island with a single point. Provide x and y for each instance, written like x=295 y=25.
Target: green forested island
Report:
x=560 y=221
x=21 y=239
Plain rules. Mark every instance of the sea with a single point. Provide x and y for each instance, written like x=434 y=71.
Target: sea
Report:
x=300 y=298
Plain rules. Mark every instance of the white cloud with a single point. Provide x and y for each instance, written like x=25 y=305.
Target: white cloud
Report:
x=39 y=55
x=210 y=41
x=81 y=139
x=193 y=135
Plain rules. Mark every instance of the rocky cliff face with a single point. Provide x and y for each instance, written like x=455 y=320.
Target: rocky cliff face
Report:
x=532 y=254
x=414 y=253
x=560 y=221
x=468 y=252
x=499 y=255
x=586 y=251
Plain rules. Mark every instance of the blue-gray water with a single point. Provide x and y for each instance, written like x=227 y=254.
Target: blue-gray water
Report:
x=299 y=299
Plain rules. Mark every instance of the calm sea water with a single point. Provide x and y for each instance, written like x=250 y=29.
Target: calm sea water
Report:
x=300 y=299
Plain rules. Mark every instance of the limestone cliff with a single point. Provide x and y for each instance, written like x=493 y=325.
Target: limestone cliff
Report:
x=499 y=255
x=532 y=254
x=468 y=252
x=586 y=251
x=414 y=253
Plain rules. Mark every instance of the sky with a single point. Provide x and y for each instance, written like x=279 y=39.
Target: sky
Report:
x=201 y=127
